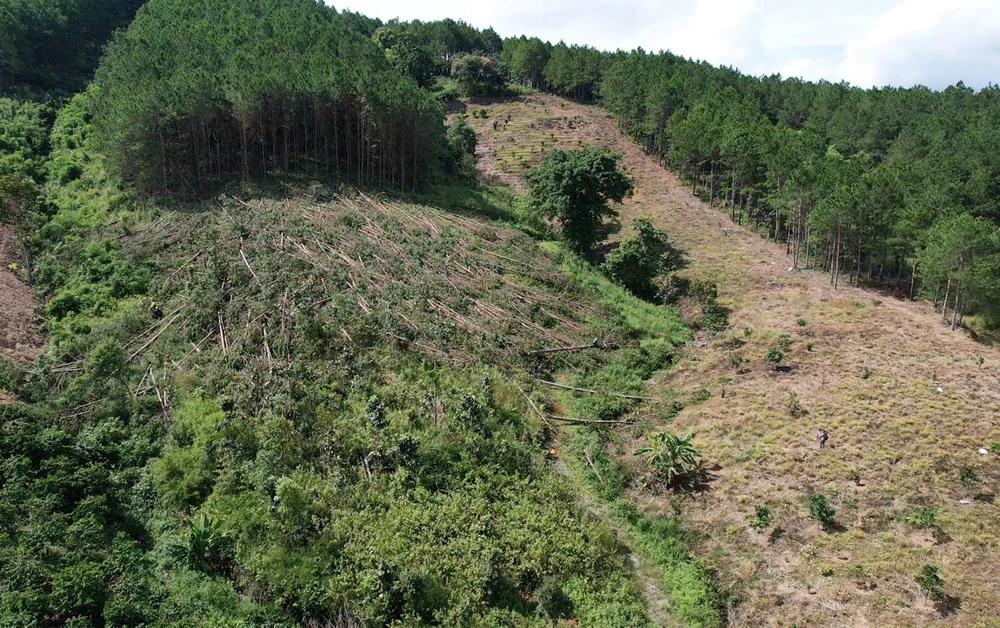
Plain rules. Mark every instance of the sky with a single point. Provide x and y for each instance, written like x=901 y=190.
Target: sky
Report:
x=864 y=42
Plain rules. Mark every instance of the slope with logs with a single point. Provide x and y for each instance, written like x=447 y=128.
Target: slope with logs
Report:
x=908 y=404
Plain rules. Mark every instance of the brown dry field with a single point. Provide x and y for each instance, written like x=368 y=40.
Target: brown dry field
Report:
x=907 y=403
x=19 y=335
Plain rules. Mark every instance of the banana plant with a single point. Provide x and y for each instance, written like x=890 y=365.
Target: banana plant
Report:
x=672 y=457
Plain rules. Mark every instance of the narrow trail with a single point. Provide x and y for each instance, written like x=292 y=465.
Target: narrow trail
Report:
x=907 y=402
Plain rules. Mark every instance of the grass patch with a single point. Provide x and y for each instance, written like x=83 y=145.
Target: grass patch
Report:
x=660 y=542
x=651 y=322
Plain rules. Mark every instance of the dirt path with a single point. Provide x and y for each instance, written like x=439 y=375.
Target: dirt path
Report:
x=19 y=335
x=908 y=405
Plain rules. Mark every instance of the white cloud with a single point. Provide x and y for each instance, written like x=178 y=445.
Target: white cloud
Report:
x=723 y=32
x=866 y=42
x=929 y=42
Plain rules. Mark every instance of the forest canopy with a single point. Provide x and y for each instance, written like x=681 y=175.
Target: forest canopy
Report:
x=197 y=92
x=56 y=44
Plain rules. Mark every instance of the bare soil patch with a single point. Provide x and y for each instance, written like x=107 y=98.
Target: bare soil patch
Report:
x=20 y=337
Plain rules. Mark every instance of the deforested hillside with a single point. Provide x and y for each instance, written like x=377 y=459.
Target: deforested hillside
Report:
x=311 y=319
x=301 y=407
x=838 y=535
x=271 y=397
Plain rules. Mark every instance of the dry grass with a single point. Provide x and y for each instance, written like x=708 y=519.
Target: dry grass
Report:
x=872 y=380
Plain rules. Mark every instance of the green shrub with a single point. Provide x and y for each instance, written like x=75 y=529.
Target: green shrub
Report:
x=671 y=289
x=185 y=471
x=924 y=518
x=714 y=317
x=774 y=356
x=793 y=404
x=802 y=322
x=785 y=342
x=930 y=582
x=701 y=396
x=672 y=457
x=704 y=291
x=969 y=477
x=204 y=545
x=638 y=260
x=820 y=510
x=761 y=518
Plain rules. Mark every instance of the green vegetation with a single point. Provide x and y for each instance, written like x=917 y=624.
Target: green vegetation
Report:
x=232 y=109
x=881 y=186
x=24 y=138
x=970 y=477
x=924 y=518
x=55 y=45
x=785 y=342
x=842 y=164
x=820 y=510
x=774 y=356
x=659 y=541
x=297 y=402
x=761 y=519
x=577 y=188
x=793 y=404
x=714 y=317
x=930 y=582
x=478 y=76
x=672 y=457
x=285 y=446
x=270 y=398
x=639 y=259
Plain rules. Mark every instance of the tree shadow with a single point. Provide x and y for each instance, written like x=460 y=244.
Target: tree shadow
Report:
x=455 y=106
x=949 y=607
x=604 y=247
x=673 y=258
x=702 y=479
x=834 y=526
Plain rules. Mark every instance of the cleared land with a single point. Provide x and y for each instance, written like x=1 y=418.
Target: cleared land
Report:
x=908 y=405
x=19 y=336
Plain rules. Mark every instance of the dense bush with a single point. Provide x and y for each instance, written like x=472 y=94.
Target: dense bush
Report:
x=478 y=76
x=462 y=143
x=638 y=260
x=24 y=138
x=672 y=457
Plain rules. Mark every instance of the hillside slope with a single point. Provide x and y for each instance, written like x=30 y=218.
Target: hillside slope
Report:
x=309 y=406
x=906 y=402
x=19 y=336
